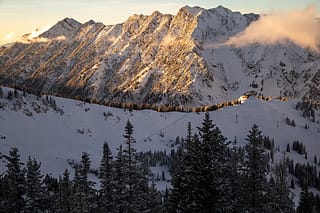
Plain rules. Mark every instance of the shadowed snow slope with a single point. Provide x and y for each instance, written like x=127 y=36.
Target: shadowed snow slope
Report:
x=54 y=137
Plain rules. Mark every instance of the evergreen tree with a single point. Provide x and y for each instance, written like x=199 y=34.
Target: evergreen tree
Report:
x=280 y=193
x=105 y=175
x=10 y=95
x=15 y=93
x=137 y=186
x=77 y=195
x=186 y=178
x=50 y=189
x=64 y=196
x=83 y=188
x=236 y=178
x=215 y=186
x=34 y=189
x=306 y=204
x=120 y=188
x=177 y=179
x=130 y=158
x=255 y=171
x=288 y=147
x=200 y=183
x=1 y=92
x=154 y=202
x=13 y=184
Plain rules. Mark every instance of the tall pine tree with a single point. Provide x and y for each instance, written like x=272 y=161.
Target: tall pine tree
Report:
x=84 y=193
x=120 y=189
x=282 y=188
x=186 y=177
x=106 y=203
x=135 y=178
x=34 y=188
x=214 y=186
x=200 y=183
x=306 y=204
x=13 y=184
x=256 y=165
x=64 y=195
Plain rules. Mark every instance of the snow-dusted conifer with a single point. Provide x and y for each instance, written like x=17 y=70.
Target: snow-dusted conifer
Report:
x=34 y=188
x=306 y=201
x=136 y=182
x=64 y=195
x=83 y=188
x=13 y=183
x=106 y=178
x=215 y=183
x=256 y=165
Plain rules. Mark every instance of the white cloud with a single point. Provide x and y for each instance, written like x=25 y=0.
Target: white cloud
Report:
x=43 y=40
x=299 y=26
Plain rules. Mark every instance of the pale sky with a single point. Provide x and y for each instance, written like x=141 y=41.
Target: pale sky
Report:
x=18 y=17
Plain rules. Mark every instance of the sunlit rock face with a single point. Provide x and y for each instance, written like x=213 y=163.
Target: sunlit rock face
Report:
x=160 y=59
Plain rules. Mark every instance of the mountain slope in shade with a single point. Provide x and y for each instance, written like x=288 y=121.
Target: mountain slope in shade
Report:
x=58 y=133
x=180 y=60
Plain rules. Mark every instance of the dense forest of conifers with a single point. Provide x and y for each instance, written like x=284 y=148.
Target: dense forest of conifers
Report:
x=209 y=174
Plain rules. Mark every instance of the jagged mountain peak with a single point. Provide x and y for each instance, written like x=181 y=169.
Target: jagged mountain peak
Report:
x=66 y=27
x=156 y=13
x=194 y=11
x=69 y=21
x=222 y=10
x=90 y=22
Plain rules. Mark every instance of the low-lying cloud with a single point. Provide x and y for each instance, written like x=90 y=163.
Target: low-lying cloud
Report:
x=299 y=26
x=34 y=37
x=43 y=40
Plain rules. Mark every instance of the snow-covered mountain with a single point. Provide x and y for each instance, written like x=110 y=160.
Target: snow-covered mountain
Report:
x=180 y=60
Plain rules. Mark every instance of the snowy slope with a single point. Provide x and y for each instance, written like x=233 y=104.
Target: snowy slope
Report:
x=54 y=137
x=181 y=60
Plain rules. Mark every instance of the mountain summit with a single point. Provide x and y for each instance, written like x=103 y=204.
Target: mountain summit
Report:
x=181 y=60
x=66 y=27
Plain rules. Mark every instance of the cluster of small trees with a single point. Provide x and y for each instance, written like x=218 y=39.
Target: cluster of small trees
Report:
x=18 y=102
x=299 y=147
x=155 y=158
x=306 y=174
x=10 y=94
x=290 y=122
x=307 y=108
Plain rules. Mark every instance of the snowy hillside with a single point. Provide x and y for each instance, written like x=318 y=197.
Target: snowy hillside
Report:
x=177 y=60
x=56 y=135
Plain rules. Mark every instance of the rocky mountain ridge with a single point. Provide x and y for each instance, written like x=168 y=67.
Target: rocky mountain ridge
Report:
x=160 y=59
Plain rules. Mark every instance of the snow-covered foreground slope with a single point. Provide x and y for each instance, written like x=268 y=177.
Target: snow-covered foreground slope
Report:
x=54 y=138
